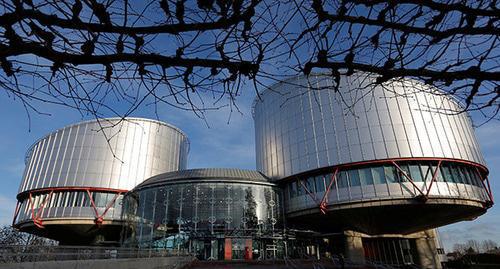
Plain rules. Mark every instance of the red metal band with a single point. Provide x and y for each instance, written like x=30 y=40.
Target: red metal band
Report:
x=60 y=189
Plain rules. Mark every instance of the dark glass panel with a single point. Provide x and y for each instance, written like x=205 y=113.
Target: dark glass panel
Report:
x=365 y=176
x=446 y=173
x=320 y=184
x=342 y=180
x=293 y=189
x=354 y=177
x=405 y=171
x=378 y=175
x=415 y=173
x=390 y=174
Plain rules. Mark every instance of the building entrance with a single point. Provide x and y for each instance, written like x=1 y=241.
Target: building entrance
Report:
x=392 y=251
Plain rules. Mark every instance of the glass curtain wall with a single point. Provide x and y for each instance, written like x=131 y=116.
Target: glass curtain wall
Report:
x=201 y=217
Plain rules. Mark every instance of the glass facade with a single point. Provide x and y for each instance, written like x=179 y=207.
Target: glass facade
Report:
x=216 y=219
x=386 y=180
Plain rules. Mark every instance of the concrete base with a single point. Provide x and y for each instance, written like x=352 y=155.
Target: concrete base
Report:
x=144 y=263
x=354 y=247
x=427 y=250
x=425 y=245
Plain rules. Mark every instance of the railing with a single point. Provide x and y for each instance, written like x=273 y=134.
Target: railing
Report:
x=16 y=253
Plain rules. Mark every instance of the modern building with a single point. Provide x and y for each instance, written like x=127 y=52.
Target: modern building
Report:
x=370 y=167
x=75 y=177
x=344 y=166
x=214 y=213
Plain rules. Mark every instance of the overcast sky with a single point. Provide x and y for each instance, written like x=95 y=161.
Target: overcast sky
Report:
x=222 y=144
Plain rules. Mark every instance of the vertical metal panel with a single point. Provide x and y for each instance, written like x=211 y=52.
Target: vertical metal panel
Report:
x=111 y=154
x=296 y=128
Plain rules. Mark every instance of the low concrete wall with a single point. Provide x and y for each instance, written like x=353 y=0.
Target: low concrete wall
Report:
x=176 y=262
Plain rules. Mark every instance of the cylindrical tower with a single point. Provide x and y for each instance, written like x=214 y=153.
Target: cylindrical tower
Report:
x=75 y=177
x=391 y=158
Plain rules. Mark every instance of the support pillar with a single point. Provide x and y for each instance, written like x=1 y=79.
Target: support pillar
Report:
x=427 y=250
x=354 y=251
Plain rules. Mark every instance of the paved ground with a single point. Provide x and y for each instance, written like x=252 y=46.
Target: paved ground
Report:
x=294 y=264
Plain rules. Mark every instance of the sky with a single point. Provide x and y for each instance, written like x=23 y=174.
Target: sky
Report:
x=223 y=143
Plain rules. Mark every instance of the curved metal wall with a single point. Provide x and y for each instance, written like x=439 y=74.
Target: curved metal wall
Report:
x=298 y=129
x=105 y=157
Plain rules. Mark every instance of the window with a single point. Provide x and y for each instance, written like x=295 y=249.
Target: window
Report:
x=86 y=200
x=365 y=176
x=71 y=199
x=57 y=199
x=378 y=175
x=390 y=174
x=465 y=175
x=475 y=177
x=405 y=171
x=309 y=183
x=52 y=200
x=79 y=199
x=354 y=177
x=300 y=189
x=64 y=199
x=320 y=184
x=415 y=172
x=342 y=180
x=426 y=172
x=439 y=177
x=293 y=189
x=447 y=176
x=456 y=173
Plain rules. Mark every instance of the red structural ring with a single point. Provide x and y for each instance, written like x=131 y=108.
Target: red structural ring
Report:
x=59 y=189
x=482 y=168
x=424 y=193
x=37 y=217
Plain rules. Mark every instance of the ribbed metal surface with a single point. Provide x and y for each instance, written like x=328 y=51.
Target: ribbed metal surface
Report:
x=206 y=174
x=298 y=129
x=109 y=153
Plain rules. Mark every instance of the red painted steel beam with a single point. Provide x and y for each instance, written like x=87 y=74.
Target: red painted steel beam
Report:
x=100 y=218
x=324 y=201
x=92 y=203
x=487 y=189
x=39 y=215
x=408 y=177
x=434 y=175
x=313 y=197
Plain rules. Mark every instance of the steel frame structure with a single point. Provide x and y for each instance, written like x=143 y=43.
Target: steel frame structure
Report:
x=37 y=214
x=424 y=192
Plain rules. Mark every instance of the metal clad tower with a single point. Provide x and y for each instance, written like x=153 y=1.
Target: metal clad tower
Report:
x=75 y=177
x=392 y=158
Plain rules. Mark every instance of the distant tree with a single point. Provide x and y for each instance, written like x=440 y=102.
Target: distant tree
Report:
x=459 y=248
x=11 y=236
x=472 y=245
x=111 y=57
x=250 y=210
x=489 y=245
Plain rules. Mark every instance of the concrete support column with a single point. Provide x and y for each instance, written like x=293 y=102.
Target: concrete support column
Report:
x=427 y=250
x=354 y=247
